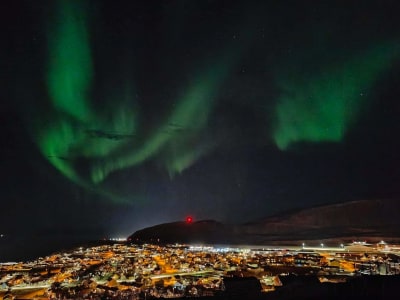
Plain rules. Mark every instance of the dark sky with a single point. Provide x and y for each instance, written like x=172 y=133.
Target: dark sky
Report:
x=122 y=114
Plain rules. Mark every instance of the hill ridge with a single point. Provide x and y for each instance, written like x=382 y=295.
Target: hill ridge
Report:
x=375 y=218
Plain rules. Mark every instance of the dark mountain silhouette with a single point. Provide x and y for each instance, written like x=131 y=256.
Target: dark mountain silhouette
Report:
x=364 y=219
x=205 y=231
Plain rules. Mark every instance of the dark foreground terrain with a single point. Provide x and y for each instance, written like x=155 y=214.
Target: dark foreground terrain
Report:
x=308 y=287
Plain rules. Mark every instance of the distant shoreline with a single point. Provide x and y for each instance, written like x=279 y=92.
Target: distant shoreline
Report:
x=25 y=248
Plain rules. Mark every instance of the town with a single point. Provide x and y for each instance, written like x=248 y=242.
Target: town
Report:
x=129 y=271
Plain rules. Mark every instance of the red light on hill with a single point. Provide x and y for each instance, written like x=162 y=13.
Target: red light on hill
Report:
x=189 y=219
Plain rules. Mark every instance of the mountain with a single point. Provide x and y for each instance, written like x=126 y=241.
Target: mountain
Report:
x=205 y=231
x=364 y=219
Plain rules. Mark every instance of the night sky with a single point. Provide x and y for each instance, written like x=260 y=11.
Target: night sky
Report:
x=118 y=115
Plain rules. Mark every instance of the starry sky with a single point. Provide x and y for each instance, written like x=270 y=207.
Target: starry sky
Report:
x=118 y=115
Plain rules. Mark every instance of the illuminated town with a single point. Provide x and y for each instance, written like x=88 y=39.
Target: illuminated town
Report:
x=128 y=271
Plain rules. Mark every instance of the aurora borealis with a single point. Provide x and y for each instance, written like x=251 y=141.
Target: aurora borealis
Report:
x=108 y=138
x=124 y=114
x=323 y=107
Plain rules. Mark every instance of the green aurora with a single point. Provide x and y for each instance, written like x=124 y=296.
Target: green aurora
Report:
x=113 y=137
x=321 y=108
x=110 y=139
